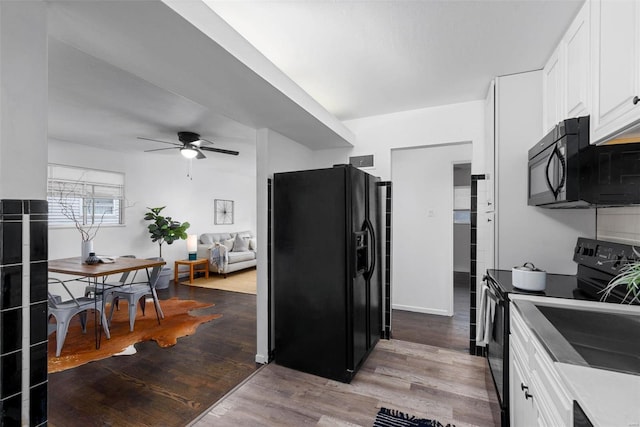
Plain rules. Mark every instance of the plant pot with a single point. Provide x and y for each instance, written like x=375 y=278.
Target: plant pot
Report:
x=164 y=278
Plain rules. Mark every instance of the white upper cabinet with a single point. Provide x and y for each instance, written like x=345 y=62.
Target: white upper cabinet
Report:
x=576 y=47
x=616 y=67
x=565 y=77
x=552 y=86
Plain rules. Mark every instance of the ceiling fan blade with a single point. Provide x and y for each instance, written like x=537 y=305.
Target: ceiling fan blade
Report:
x=220 y=150
x=200 y=153
x=157 y=140
x=161 y=149
x=206 y=140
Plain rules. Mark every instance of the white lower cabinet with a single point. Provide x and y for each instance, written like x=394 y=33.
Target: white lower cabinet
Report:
x=523 y=410
x=536 y=392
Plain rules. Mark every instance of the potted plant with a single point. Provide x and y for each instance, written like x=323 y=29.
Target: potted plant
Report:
x=164 y=230
x=629 y=276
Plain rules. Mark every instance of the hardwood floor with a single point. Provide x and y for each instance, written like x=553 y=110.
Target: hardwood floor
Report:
x=163 y=387
x=172 y=387
x=440 y=331
x=420 y=380
x=438 y=381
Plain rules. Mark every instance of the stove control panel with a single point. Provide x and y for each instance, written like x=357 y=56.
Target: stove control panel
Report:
x=605 y=256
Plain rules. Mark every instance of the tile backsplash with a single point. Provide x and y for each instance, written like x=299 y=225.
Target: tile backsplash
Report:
x=619 y=224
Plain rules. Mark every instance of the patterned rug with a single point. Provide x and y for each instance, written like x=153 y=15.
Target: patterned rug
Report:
x=181 y=318
x=393 y=418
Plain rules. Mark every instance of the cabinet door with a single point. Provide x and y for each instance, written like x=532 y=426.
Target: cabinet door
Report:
x=576 y=47
x=552 y=104
x=616 y=71
x=523 y=412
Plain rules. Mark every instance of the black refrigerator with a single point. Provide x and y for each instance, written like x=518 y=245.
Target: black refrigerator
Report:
x=327 y=282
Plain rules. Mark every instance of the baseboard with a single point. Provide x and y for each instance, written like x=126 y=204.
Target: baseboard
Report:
x=262 y=359
x=421 y=310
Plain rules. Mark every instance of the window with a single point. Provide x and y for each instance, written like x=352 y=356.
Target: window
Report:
x=86 y=196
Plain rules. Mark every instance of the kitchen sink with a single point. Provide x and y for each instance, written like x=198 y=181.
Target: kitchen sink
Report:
x=604 y=340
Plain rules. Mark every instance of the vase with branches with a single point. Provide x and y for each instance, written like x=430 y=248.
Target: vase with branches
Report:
x=71 y=206
x=164 y=229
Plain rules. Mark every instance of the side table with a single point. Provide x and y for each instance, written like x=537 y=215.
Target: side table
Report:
x=192 y=264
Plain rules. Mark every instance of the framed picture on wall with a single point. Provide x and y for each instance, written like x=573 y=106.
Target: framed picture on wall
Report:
x=223 y=211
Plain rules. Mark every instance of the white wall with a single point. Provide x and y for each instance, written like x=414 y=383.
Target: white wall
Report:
x=23 y=100
x=545 y=237
x=153 y=180
x=378 y=135
x=286 y=155
x=422 y=252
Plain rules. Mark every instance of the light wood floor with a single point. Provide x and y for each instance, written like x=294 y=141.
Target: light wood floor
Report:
x=422 y=380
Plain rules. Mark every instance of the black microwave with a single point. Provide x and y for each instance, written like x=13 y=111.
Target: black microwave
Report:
x=565 y=171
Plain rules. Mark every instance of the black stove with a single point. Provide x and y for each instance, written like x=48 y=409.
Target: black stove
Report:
x=598 y=262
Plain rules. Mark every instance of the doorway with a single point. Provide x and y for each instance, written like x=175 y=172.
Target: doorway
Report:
x=423 y=246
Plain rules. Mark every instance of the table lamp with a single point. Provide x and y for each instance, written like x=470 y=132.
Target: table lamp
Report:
x=192 y=246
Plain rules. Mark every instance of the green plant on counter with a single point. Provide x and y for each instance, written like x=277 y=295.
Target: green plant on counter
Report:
x=165 y=229
x=629 y=276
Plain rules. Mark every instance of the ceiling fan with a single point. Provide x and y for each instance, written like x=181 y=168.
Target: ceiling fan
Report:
x=190 y=146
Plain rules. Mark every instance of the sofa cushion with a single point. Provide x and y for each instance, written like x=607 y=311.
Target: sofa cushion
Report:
x=244 y=234
x=240 y=244
x=241 y=256
x=228 y=243
x=206 y=239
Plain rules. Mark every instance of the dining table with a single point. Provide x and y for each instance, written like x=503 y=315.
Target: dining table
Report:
x=96 y=274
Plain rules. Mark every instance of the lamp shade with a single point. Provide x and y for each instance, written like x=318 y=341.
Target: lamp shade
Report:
x=192 y=245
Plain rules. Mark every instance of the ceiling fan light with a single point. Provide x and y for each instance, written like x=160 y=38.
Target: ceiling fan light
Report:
x=189 y=153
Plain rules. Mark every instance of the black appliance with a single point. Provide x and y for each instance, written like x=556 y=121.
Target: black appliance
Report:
x=327 y=270
x=598 y=262
x=566 y=171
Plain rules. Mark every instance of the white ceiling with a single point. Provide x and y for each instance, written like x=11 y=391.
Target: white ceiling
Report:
x=119 y=70
x=364 y=58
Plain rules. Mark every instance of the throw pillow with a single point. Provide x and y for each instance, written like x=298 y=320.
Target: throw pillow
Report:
x=240 y=245
x=228 y=243
x=253 y=246
x=206 y=239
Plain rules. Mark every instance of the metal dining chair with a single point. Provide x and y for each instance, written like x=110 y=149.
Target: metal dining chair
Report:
x=137 y=292
x=63 y=311
x=107 y=286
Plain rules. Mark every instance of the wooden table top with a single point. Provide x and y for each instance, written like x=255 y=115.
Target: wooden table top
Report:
x=192 y=261
x=75 y=266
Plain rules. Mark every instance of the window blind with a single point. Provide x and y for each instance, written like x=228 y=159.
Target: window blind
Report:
x=86 y=196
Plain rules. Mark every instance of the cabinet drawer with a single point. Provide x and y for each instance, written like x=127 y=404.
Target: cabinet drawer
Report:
x=520 y=334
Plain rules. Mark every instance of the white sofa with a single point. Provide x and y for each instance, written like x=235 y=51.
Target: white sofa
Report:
x=223 y=249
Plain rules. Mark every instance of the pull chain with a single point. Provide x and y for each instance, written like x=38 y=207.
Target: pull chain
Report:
x=189 y=169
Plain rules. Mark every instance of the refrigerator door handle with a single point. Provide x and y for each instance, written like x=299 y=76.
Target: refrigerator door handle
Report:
x=372 y=243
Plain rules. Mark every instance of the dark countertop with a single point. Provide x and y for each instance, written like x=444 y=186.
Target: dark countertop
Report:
x=558 y=285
